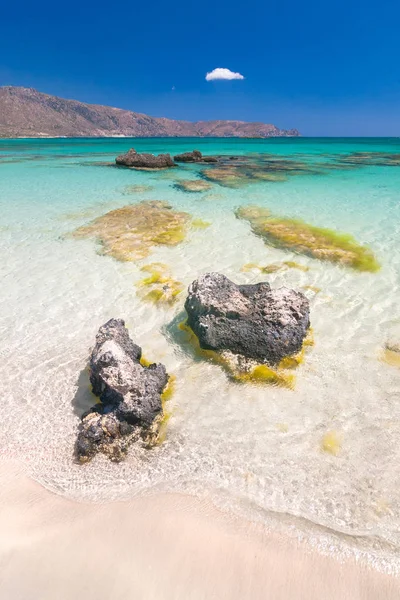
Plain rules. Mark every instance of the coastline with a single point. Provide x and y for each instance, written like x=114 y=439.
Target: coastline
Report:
x=162 y=547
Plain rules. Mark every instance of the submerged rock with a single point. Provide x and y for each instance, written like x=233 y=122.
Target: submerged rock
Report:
x=376 y=159
x=136 y=160
x=136 y=189
x=248 y=320
x=317 y=242
x=193 y=185
x=130 y=394
x=130 y=232
x=239 y=171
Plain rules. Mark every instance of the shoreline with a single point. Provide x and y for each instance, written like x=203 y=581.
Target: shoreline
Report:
x=161 y=547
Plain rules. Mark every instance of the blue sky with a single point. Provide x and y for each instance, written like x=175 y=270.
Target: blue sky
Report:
x=325 y=68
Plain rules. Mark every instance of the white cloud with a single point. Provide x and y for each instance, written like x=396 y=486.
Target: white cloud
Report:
x=223 y=74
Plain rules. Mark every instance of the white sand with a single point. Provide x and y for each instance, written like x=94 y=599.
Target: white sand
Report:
x=160 y=548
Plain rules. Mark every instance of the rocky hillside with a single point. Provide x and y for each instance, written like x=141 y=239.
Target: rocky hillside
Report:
x=24 y=112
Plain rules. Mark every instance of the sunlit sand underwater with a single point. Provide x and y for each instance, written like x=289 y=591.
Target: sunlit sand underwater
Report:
x=321 y=459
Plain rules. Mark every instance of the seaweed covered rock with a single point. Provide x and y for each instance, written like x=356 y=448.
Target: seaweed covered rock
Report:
x=136 y=160
x=249 y=320
x=130 y=232
x=316 y=242
x=129 y=392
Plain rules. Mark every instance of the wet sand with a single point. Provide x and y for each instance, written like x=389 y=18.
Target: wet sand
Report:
x=165 y=547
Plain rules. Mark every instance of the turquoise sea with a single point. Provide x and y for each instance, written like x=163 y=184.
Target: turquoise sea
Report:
x=255 y=450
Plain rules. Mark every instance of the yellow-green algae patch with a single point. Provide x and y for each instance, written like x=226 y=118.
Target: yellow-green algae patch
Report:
x=267 y=269
x=169 y=390
x=291 y=264
x=274 y=267
x=200 y=224
x=331 y=443
x=246 y=371
x=312 y=288
x=166 y=414
x=159 y=287
x=317 y=242
x=295 y=360
x=391 y=357
x=282 y=427
x=129 y=233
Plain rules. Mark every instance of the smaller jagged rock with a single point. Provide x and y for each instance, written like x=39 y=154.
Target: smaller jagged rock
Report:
x=249 y=320
x=129 y=393
x=195 y=156
x=144 y=161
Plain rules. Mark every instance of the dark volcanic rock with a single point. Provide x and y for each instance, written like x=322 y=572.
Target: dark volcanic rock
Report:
x=130 y=394
x=144 y=161
x=251 y=320
x=194 y=156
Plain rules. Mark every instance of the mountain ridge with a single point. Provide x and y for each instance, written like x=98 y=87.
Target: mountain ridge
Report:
x=25 y=112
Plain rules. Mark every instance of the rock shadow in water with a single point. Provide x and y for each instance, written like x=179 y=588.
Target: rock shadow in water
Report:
x=84 y=398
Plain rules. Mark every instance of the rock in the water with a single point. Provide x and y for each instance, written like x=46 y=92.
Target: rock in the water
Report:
x=250 y=320
x=193 y=185
x=144 y=161
x=129 y=392
x=317 y=242
x=129 y=233
x=195 y=156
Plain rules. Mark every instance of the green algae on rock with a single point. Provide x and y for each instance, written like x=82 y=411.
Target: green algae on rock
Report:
x=159 y=287
x=316 y=242
x=129 y=233
x=242 y=370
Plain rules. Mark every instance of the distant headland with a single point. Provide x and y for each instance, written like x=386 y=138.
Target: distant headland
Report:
x=25 y=112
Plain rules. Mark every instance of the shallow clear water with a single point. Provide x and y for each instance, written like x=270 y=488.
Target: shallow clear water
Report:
x=254 y=449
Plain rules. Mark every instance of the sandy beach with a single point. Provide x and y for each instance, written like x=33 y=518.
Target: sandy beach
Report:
x=159 y=548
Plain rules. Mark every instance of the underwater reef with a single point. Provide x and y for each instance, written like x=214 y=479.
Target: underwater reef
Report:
x=238 y=171
x=193 y=185
x=316 y=242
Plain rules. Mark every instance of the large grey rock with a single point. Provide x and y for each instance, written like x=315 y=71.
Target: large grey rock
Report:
x=144 y=161
x=130 y=394
x=251 y=320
